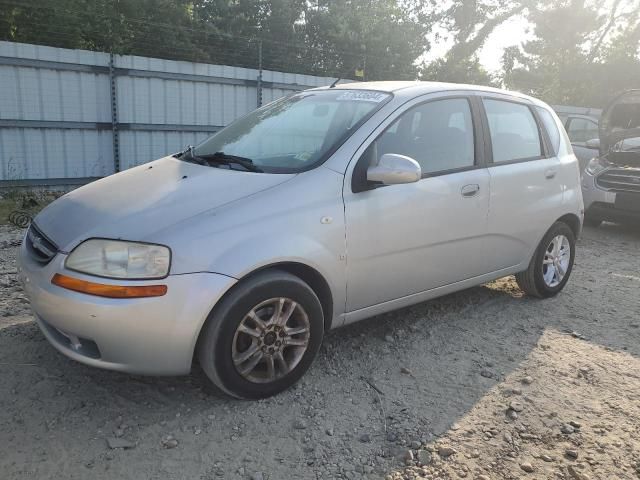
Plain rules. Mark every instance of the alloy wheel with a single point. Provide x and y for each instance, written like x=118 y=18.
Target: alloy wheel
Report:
x=556 y=261
x=270 y=340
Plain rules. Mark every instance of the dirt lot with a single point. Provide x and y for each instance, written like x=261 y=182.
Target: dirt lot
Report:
x=483 y=384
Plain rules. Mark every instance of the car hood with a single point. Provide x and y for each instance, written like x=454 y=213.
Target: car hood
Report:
x=620 y=129
x=134 y=204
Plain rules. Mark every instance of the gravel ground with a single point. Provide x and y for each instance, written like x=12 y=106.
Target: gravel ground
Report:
x=482 y=384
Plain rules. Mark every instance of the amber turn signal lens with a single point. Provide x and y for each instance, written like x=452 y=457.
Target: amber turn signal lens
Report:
x=109 y=291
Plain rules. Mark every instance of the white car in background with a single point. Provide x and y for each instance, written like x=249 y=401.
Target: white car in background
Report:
x=583 y=135
x=611 y=180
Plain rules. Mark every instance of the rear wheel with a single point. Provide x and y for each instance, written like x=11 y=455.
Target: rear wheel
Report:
x=263 y=335
x=551 y=265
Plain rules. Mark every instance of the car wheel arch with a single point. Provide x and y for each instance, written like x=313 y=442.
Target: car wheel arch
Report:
x=572 y=221
x=307 y=274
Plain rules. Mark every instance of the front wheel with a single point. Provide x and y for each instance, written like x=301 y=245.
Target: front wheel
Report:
x=551 y=265
x=263 y=335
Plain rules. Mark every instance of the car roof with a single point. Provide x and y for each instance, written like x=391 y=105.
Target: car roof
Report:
x=413 y=88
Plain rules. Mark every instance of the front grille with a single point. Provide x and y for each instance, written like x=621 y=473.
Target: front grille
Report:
x=39 y=246
x=620 y=180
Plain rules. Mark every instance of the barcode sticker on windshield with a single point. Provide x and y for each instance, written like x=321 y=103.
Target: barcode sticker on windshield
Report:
x=362 y=96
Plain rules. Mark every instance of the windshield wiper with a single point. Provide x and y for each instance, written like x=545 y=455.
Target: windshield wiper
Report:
x=206 y=159
x=225 y=158
x=189 y=156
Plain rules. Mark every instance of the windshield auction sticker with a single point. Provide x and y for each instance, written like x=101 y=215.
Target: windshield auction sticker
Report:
x=362 y=96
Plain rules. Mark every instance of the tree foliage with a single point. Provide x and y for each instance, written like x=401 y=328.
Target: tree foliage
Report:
x=326 y=36
x=580 y=54
x=580 y=51
x=468 y=24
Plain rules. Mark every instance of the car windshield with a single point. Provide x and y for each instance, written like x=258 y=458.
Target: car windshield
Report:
x=631 y=144
x=295 y=133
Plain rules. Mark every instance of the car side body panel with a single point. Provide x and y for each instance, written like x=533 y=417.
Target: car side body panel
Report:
x=303 y=223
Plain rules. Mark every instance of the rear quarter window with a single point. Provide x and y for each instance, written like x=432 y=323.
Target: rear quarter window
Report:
x=551 y=127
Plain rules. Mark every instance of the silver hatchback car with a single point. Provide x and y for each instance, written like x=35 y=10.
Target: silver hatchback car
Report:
x=315 y=211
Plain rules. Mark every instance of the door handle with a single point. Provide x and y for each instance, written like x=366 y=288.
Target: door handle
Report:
x=550 y=173
x=470 y=190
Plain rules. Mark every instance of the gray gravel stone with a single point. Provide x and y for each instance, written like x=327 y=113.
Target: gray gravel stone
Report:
x=446 y=452
x=114 y=442
x=571 y=453
x=516 y=406
x=527 y=467
x=169 y=442
x=423 y=457
x=299 y=424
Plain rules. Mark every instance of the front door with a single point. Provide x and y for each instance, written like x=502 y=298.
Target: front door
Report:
x=406 y=239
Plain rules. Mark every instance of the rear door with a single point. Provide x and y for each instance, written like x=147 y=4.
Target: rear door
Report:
x=525 y=192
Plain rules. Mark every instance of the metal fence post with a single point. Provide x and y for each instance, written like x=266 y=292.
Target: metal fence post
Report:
x=114 y=114
x=259 y=86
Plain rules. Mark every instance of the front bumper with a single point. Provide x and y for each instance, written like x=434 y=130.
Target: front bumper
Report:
x=152 y=336
x=601 y=204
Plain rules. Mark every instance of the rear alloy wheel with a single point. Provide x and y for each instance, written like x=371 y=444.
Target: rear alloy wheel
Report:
x=555 y=263
x=551 y=265
x=263 y=335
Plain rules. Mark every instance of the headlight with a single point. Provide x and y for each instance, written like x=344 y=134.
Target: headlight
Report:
x=595 y=166
x=120 y=259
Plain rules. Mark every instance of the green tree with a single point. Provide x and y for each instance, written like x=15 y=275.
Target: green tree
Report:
x=383 y=37
x=580 y=55
x=468 y=24
x=122 y=26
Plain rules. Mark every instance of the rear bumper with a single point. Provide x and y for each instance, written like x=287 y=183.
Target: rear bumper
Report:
x=154 y=336
x=607 y=211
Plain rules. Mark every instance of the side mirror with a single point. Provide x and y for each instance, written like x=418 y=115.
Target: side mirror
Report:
x=594 y=143
x=394 y=169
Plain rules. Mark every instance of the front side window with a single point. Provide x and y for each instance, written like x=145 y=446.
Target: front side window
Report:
x=581 y=130
x=514 y=131
x=297 y=132
x=438 y=135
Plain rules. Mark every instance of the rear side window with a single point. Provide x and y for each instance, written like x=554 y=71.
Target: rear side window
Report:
x=551 y=127
x=514 y=131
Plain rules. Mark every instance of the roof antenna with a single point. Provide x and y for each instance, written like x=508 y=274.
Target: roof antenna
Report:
x=335 y=82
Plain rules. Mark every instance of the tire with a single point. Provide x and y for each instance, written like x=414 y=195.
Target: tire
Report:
x=543 y=282
x=224 y=341
x=592 y=222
